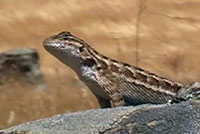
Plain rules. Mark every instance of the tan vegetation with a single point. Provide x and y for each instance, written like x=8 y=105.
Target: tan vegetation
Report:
x=167 y=36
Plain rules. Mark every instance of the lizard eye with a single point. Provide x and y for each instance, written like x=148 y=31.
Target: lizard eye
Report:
x=64 y=35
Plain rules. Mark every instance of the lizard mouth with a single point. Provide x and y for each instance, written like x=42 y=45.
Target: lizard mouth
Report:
x=55 y=47
x=47 y=42
x=49 y=45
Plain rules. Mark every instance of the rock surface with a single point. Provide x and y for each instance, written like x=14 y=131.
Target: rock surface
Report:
x=181 y=118
x=20 y=65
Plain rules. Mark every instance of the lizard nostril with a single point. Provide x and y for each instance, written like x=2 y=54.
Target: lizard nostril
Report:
x=62 y=46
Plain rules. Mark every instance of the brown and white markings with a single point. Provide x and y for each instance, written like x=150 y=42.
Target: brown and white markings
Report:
x=114 y=83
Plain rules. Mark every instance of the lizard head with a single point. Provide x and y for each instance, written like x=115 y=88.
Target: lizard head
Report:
x=69 y=49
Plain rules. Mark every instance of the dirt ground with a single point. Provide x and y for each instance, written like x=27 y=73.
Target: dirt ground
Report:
x=159 y=36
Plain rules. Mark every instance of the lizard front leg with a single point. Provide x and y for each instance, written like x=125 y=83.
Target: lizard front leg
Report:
x=104 y=103
x=114 y=95
x=117 y=99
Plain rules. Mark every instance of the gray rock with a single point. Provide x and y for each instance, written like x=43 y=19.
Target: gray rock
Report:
x=20 y=65
x=180 y=118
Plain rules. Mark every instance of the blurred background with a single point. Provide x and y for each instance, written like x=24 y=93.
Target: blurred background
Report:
x=158 y=35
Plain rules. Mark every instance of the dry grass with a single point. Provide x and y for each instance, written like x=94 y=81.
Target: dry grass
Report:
x=168 y=45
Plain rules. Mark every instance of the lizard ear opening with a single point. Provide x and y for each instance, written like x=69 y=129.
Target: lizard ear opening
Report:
x=81 y=48
x=89 y=62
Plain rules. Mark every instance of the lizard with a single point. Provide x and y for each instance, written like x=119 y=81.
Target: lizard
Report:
x=114 y=83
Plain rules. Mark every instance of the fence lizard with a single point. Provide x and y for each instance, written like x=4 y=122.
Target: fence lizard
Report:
x=114 y=83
